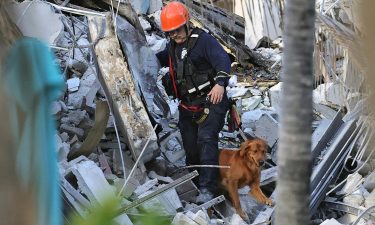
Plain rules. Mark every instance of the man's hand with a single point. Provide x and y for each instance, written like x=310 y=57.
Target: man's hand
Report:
x=216 y=94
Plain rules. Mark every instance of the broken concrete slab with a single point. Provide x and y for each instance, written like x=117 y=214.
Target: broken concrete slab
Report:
x=249 y=118
x=130 y=186
x=120 y=89
x=275 y=93
x=111 y=145
x=144 y=71
x=262 y=20
x=152 y=174
x=354 y=199
x=140 y=6
x=166 y=203
x=235 y=92
x=330 y=222
x=156 y=44
x=370 y=199
x=155 y=5
x=324 y=111
x=353 y=182
x=201 y=217
x=266 y=127
x=91 y=181
x=171 y=145
x=30 y=18
x=251 y=103
x=182 y=219
x=76 y=116
x=63 y=150
x=237 y=220
x=72 y=130
x=145 y=187
x=73 y=84
x=56 y=109
x=369 y=182
x=159 y=191
x=329 y=93
x=144 y=23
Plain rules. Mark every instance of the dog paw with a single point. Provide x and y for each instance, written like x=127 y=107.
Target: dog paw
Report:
x=268 y=202
x=242 y=214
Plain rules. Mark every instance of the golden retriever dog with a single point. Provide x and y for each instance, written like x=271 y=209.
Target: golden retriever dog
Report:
x=245 y=167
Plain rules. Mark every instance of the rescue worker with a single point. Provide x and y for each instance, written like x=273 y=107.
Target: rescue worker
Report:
x=198 y=75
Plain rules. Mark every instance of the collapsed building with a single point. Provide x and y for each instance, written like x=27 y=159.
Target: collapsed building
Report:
x=117 y=133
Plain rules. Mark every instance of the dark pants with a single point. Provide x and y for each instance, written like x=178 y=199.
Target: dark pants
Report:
x=201 y=141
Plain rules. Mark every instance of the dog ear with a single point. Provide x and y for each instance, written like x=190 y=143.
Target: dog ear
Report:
x=244 y=148
x=243 y=151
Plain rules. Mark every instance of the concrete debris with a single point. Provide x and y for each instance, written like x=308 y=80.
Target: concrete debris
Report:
x=182 y=219
x=324 y=111
x=261 y=24
x=89 y=86
x=155 y=5
x=75 y=117
x=133 y=90
x=91 y=181
x=330 y=222
x=251 y=103
x=145 y=187
x=249 y=118
x=56 y=109
x=353 y=182
x=64 y=137
x=266 y=127
x=30 y=18
x=186 y=191
x=172 y=147
x=329 y=93
x=370 y=199
x=140 y=6
x=169 y=200
x=63 y=149
x=154 y=175
x=237 y=220
x=237 y=92
x=355 y=198
x=73 y=84
x=121 y=87
x=272 y=54
x=130 y=187
x=72 y=130
x=275 y=93
x=144 y=23
x=156 y=43
x=369 y=182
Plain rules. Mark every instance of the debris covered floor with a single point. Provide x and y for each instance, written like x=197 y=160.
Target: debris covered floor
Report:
x=107 y=115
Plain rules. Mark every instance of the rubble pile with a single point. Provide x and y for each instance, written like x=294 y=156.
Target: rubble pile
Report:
x=107 y=144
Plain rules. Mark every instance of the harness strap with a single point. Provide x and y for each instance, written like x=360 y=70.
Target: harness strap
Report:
x=172 y=76
x=191 y=108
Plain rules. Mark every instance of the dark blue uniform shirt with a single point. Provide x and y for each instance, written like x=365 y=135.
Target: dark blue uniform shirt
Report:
x=206 y=54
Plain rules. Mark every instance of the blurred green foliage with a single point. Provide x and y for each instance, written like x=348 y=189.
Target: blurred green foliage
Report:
x=103 y=215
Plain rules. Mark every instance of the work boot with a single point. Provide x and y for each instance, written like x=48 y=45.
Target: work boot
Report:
x=204 y=196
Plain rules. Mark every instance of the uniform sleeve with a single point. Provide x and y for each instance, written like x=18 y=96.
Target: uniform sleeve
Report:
x=163 y=57
x=218 y=58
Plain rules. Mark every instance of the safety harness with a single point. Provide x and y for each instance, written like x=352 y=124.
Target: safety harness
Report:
x=188 y=83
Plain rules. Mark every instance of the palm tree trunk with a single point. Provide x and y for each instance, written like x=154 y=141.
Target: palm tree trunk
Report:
x=294 y=154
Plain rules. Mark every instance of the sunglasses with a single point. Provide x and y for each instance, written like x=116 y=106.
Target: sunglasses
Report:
x=172 y=32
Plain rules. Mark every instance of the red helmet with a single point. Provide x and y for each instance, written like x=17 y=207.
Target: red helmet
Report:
x=173 y=16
